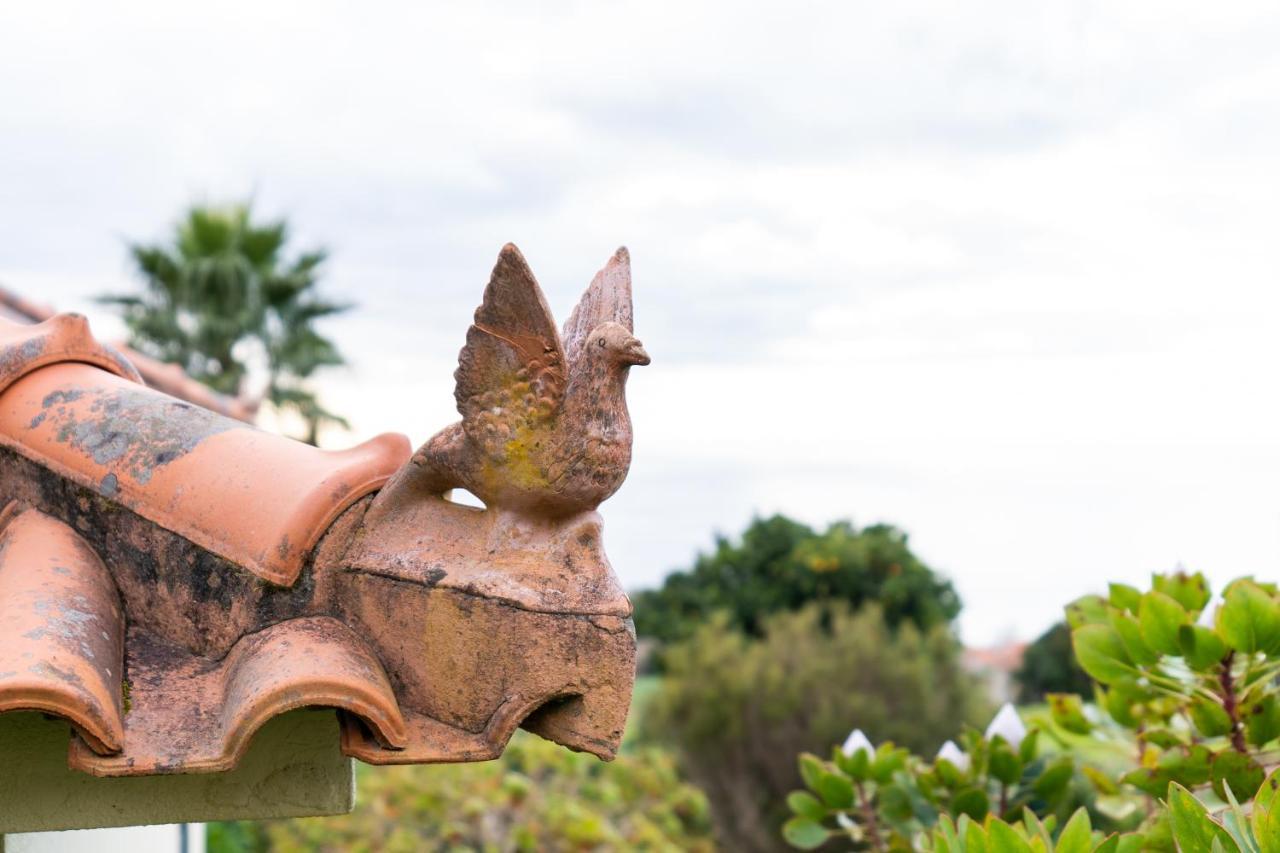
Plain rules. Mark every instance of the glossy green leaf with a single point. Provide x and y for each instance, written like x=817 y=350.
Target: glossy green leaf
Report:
x=1003 y=763
x=1189 y=590
x=948 y=773
x=1077 y=835
x=1002 y=838
x=975 y=840
x=1201 y=646
x=888 y=760
x=1150 y=780
x=1160 y=617
x=1087 y=610
x=945 y=837
x=1192 y=827
x=1265 y=819
x=804 y=804
x=1262 y=720
x=1125 y=597
x=1187 y=765
x=1237 y=825
x=1132 y=842
x=811 y=770
x=1054 y=780
x=1209 y=717
x=856 y=766
x=1249 y=618
x=1239 y=772
x=1027 y=750
x=805 y=834
x=972 y=802
x=1101 y=653
x=836 y=790
x=1067 y=710
x=1101 y=780
x=1119 y=702
x=1130 y=631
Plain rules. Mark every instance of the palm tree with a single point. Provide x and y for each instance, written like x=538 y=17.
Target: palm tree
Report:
x=221 y=298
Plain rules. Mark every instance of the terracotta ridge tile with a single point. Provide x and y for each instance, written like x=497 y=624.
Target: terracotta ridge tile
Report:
x=62 y=338
x=260 y=500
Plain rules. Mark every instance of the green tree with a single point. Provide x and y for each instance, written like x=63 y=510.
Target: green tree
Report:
x=221 y=296
x=780 y=565
x=739 y=708
x=1049 y=666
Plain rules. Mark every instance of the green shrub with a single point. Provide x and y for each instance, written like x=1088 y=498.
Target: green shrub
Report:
x=781 y=565
x=538 y=796
x=1190 y=694
x=739 y=709
x=1199 y=696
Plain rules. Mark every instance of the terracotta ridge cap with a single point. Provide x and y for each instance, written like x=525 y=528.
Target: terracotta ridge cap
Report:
x=61 y=339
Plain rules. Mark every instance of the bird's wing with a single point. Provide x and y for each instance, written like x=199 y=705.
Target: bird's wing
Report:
x=511 y=373
x=608 y=297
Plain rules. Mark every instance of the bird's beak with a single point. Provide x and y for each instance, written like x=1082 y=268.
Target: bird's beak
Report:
x=635 y=354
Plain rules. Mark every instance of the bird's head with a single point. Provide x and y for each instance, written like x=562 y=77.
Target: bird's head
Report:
x=612 y=342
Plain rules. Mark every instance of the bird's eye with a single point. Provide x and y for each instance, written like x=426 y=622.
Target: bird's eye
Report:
x=600 y=342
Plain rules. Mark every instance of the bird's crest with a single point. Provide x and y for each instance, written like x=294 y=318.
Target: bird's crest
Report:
x=512 y=371
x=608 y=297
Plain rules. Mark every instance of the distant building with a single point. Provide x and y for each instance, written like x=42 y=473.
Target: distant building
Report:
x=995 y=666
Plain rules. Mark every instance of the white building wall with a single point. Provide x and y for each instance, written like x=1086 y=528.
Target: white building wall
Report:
x=166 y=838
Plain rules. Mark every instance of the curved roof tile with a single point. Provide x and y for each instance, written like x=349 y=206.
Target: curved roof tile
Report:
x=257 y=499
x=62 y=649
x=66 y=337
x=189 y=715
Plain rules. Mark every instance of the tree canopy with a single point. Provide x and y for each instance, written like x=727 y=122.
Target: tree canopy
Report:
x=780 y=565
x=220 y=297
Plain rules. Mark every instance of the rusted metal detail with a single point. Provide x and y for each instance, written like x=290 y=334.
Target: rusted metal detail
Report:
x=257 y=574
x=62 y=647
x=257 y=499
x=190 y=715
x=62 y=338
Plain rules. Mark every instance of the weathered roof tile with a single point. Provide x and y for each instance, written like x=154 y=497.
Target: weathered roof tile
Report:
x=171 y=578
x=61 y=628
x=257 y=499
x=188 y=714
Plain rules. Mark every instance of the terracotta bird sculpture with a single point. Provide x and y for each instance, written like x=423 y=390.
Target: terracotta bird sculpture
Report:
x=544 y=426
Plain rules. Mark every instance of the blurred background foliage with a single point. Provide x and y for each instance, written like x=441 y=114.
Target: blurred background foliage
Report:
x=1049 y=666
x=779 y=564
x=220 y=299
x=538 y=796
x=737 y=708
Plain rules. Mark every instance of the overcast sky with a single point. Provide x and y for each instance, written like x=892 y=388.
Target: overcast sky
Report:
x=1001 y=273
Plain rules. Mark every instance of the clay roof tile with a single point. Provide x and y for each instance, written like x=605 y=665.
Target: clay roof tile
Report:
x=258 y=499
x=171 y=578
x=169 y=378
x=61 y=628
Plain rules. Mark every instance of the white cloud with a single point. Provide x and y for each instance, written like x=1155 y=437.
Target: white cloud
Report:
x=1001 y=273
